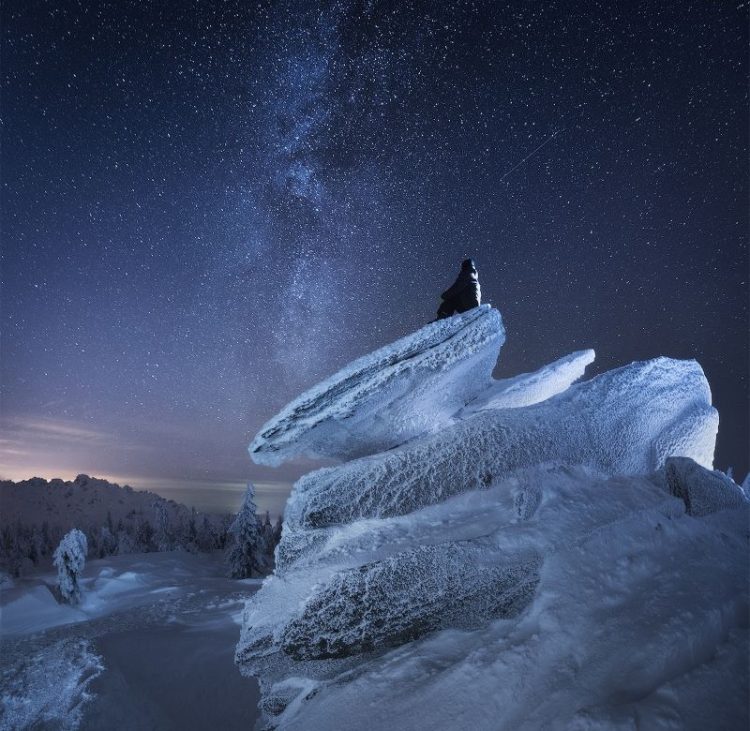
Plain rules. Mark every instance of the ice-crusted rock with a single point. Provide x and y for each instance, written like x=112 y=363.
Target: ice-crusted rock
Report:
x=532 y=388
x=490 y=573
x=387 y=603
x=408 y=388
x=703 y=491
x=603 y=544
x=626 y=421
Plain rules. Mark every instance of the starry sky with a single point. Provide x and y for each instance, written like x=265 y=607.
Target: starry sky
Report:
x=208 y=206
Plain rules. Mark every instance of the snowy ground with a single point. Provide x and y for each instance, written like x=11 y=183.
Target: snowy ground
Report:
x=150 y=647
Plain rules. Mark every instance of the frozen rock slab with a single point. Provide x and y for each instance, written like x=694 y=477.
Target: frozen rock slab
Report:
x=535 y=387
x=605 y=542
x=625 y=421
x=403 y=597
x=624 y=631
x=703 y=491
x=403 y=390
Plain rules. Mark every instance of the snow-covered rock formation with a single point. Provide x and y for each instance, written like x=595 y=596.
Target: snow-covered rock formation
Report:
x=518 y=554
x=405 y=389
x=703 y=492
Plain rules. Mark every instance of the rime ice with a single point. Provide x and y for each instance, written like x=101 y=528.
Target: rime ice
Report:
x=516 y=554
x=249 y=552
x=411 y=387
x=69 y=559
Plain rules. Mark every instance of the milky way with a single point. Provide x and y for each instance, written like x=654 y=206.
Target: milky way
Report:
x=209 y=206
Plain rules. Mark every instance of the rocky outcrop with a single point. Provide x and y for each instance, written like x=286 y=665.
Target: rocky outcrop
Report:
x=463 y=503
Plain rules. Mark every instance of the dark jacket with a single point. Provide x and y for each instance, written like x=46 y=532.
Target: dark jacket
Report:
x=462 y=295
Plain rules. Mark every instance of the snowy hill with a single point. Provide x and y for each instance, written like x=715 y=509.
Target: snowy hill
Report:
x=72 y=503
x=522 y=554
x=36 y=513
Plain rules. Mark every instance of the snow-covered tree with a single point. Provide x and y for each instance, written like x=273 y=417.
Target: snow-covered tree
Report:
x=246 y=553
x=107 y=542
x=277 y=531
x=189 y=538
x=125 y=542
x=69 y=558
x=144 y=537
x=209 y=538
x=164 y=537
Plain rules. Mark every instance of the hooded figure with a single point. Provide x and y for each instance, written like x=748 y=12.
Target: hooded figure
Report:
x=463 y=294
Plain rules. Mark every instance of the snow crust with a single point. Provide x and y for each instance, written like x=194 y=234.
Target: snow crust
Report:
x=553 y=556
x=116 y=584
x=149 y=647
x=451 y=584
x=635 y=599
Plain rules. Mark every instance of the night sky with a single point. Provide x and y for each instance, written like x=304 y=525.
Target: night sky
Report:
x=208 y=206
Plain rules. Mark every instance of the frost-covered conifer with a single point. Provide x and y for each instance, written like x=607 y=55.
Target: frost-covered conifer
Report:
x=107 y=542
x=69 y=558
x=211 y=534
x=125 y=542
x=245 y=556
x=144 y=537
x=277 y=531
x=164 y=538
x=268 y=538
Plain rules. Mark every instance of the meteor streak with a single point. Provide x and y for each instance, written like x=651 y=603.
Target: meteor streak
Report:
x=532 y=153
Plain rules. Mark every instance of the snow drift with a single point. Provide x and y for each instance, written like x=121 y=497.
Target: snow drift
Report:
x=518 y=554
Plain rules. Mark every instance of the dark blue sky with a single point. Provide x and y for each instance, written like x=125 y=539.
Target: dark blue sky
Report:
x=207 y=206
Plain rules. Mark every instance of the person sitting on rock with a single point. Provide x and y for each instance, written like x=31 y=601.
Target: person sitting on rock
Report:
x=463 y=294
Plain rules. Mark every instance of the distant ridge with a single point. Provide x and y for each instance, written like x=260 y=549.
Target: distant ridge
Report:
x=36 y=513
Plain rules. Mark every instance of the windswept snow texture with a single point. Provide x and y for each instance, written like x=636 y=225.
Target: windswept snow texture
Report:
x=553 y=557
x=411 y=387
x=149 y=647
x=50 y=689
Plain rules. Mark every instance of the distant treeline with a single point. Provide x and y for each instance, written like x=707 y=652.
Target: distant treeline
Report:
x=151 y=524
